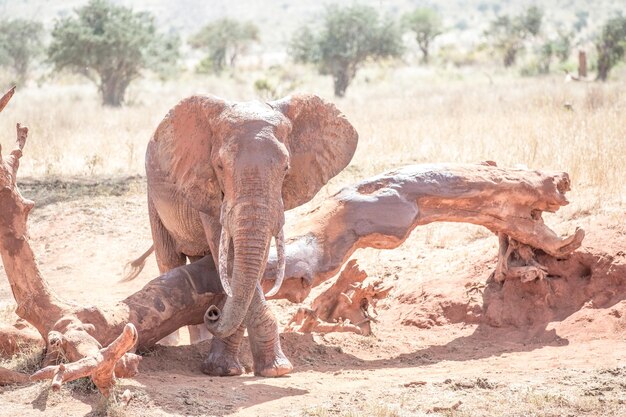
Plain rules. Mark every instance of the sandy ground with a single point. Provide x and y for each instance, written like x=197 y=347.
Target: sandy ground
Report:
x=435 y=350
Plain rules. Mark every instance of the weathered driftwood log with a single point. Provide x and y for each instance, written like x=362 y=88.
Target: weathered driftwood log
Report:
x=344 y=306
x=15 y=338
x=10 y=377
x=381 y=212
x=36 y=304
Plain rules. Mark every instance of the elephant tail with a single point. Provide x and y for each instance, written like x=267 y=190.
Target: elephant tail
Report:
x=133 y=268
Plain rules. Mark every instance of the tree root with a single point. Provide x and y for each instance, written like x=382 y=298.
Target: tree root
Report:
x=10 y=377
x=102 y=366
x=345 y=305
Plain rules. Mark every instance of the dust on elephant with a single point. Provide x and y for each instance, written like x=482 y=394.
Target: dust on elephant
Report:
x=220 y=176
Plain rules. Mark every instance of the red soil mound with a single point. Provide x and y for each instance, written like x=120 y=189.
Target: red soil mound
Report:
x=588 y=286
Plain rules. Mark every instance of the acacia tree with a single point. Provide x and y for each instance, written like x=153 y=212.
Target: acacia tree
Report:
x=559 y=48
x=611 y=45
x=426 y=24
x=347 y=38
x=509 y=34
x=111 y=45
x=21 y=42
x=224 y=40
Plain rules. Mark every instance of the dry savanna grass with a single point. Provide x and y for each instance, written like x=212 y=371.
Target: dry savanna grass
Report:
x=404 y=115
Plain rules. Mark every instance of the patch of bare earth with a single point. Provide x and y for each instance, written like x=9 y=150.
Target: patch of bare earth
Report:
x=447 y=341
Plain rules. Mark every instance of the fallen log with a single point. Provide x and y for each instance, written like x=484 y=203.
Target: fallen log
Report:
x=14 y=339
x=381 y=212
x=10 y=377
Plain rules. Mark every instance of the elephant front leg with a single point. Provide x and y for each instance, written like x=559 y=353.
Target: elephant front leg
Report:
x=223 y=357
x=267 y=354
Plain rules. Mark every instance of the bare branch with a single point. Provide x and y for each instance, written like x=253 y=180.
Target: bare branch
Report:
x=100 y=366
x=6 y=98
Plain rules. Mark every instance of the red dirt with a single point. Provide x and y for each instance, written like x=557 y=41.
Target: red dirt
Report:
x=444 y=335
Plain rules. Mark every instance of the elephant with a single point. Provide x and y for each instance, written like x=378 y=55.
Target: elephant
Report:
x=220 y=175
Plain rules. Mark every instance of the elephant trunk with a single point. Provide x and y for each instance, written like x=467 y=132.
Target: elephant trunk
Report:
x=250 y=243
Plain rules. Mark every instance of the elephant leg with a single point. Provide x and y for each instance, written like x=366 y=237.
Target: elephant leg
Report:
x=268 y=356
x=223 y=357
x=167 y=257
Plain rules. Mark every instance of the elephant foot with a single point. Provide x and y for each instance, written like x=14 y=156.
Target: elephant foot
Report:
x=221 y=366
x=222 y=360
x=272 y=364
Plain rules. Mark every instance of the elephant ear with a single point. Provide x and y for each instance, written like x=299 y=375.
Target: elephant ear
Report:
x=321 y=144
x=180 y=149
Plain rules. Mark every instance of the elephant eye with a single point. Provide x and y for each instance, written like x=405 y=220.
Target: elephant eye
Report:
x=286 y=168
x=220 y=167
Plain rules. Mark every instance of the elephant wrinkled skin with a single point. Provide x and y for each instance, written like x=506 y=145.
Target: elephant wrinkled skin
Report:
x=220 y=176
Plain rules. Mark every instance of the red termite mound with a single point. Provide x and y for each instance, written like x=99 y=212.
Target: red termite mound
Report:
x=581 y=294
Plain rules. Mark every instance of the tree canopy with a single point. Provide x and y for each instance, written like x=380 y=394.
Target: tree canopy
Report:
x=111 y=45
x=21 y=42
x=426 y=24
x=348 y=37
x=224 y=40
x=509 y=33
x=611 y=45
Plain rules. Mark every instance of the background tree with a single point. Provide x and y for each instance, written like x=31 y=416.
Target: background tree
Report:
x=581 y=20
x=611 y=45
x=530 y=21
x=509 y=34
x=546 y=51
x=426 y=24
x=224 y=40
x=563 y=45
x=348 y=37
x=111 y=45
x=21 y=42
x=559 y=47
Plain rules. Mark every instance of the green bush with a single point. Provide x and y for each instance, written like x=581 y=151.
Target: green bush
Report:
x=111 y=45
x=21 y=42
x=611 y=45
x=426 y=25
x=224 y=41
x=348 y=37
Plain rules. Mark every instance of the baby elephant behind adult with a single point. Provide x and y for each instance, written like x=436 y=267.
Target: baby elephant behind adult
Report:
x=220 y=176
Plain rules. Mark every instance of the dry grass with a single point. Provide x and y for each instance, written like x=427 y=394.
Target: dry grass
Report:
x=28 y=360
x=404 y=116
x=430 y=119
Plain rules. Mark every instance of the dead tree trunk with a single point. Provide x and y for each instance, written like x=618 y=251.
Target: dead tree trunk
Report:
x=381 y=212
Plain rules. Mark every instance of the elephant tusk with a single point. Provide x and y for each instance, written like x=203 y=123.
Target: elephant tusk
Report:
x=223 y=261
x=280 y=255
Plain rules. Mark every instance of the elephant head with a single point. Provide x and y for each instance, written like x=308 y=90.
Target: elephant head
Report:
x=243 y=164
